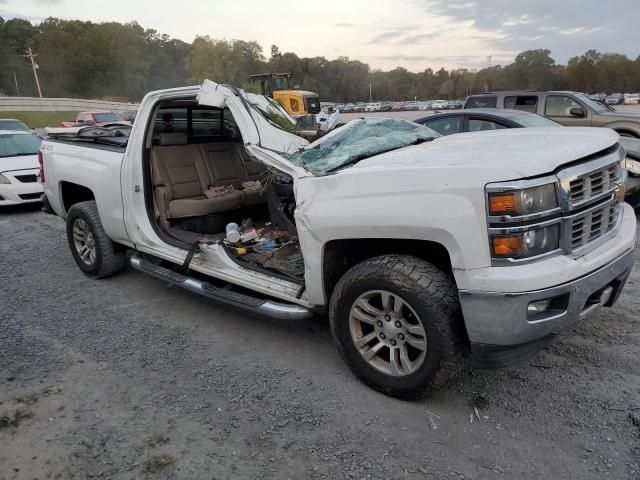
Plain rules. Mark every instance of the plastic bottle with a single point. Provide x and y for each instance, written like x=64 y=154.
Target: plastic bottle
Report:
x=233 y=232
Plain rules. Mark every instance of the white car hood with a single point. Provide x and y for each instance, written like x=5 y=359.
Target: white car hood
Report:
x=26 y=162
x=529 y=152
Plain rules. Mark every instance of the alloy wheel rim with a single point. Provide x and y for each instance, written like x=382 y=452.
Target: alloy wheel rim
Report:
x=84 y=241
x=388 y=333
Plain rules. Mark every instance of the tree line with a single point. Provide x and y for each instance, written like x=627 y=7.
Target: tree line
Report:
x=113 y=60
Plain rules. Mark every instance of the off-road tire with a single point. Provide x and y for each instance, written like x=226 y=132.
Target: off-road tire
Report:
x=432 y=294
x=109 y=259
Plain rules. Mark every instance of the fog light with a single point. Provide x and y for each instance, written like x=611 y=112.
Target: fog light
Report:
x=539 y=306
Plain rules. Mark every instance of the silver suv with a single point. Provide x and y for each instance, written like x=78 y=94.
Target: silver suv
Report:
x=568 y=108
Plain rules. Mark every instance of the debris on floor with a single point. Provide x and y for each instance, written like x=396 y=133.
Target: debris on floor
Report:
x=266 y=246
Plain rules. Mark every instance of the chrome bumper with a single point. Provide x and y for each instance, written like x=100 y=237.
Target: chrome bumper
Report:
x=502 y=319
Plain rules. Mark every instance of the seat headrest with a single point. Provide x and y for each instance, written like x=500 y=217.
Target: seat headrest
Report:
x=173 y=138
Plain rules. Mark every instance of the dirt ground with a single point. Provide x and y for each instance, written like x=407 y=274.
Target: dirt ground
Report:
x=126 y=378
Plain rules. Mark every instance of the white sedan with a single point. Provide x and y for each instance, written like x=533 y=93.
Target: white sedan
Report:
x=19 y=168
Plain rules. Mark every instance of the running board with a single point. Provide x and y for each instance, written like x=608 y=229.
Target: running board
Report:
x=288 y=311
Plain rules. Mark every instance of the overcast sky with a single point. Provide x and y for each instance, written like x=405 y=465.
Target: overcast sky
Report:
x=414 y=34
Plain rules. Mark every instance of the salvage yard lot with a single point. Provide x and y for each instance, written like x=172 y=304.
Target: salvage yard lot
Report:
x=127 y=378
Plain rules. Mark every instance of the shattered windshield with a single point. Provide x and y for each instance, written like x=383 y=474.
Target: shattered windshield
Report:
x=357 y=140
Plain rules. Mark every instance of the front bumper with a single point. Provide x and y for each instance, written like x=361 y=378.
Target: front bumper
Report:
x=19 y=193
x=496 y=320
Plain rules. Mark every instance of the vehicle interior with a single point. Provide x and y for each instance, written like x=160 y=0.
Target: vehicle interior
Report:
x=202 y=180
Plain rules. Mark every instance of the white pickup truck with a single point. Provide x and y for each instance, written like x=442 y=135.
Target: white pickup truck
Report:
x=423 y=250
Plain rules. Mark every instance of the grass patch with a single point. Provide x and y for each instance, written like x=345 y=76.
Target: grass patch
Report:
x=158 y=462
x=28 y=399
x=13 y=420
x=41 y=119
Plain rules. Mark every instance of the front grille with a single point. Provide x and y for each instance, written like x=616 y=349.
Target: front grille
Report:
x=30 y=196
x=26 y=178
x=593 y=224
x=594 y=184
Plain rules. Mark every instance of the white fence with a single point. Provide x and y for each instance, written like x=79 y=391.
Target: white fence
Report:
x=34 y=104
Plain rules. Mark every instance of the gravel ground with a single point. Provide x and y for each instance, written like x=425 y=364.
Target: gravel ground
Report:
x=127 y=378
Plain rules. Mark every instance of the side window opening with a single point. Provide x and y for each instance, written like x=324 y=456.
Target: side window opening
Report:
x=560 y=106
x=482 y=102
x=526 y=103
x=479 y=125
x=446 y=126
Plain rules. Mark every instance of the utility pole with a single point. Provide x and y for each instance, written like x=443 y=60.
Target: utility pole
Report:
x=370 y=97
x=15 y=79
x=31 y=56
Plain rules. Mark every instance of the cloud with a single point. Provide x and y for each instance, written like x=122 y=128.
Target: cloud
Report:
x=567 y=27
x=345 y=24
x=419 y=38
x=7 y=15
x=386 y=37
x=402 y=35
x=457 y=61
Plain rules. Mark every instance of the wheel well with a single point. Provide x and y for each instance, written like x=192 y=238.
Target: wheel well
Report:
x=73 y=193
x=624 y=131
x=340 y=255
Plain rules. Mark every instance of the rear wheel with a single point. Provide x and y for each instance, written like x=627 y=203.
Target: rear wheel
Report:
x=397 y=322
x=92 y=249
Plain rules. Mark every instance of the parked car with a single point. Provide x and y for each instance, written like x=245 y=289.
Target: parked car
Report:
x=475 y=120
x=397 y=106
x=129 y=115
x=421 y=248
x=15 y=126
x=631 y=99
x=19 y=168
x=373 y=107
x=439 y=105
x=598 y=97
x=568 y=108
x=411 y=106
x=614 y=99
x=96 y=119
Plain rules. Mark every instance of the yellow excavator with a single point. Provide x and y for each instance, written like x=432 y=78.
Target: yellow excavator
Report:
x=295 y=102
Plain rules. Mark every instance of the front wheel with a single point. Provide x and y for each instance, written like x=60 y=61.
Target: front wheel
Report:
x=92 y=249
x=397 y=322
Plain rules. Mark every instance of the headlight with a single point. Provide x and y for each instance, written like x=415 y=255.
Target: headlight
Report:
x=530 y=243
x=4 y=179
x=632 y=166
x=517 y=203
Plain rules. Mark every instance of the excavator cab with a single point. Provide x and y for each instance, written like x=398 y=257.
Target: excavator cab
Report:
x=295 y=102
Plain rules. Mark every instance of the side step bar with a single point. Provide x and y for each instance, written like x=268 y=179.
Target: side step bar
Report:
x=288 y=311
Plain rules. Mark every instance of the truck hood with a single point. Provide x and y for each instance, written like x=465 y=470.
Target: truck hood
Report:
x=23 y=162
x=527 y=152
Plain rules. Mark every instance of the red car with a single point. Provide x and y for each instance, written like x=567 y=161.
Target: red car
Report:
x=96 y=119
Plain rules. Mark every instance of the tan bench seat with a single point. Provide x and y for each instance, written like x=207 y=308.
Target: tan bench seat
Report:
x=182 y=172
x=180 y=178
